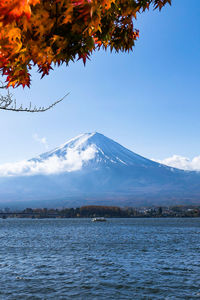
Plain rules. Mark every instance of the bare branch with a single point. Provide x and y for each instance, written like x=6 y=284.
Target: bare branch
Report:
x=2 y=86
x=8 y=103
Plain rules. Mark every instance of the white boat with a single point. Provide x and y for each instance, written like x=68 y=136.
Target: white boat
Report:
x=98 y=219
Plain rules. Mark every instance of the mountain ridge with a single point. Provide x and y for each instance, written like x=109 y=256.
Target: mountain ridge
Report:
x=98 y=139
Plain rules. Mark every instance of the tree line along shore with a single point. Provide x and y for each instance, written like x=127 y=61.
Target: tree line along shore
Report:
x=91 y=211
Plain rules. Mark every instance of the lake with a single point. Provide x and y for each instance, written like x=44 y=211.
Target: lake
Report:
x=117 y=259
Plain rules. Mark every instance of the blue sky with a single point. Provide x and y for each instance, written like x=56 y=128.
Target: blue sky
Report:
x=147 y=100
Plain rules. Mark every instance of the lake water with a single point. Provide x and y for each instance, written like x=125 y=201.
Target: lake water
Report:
x=118 y=259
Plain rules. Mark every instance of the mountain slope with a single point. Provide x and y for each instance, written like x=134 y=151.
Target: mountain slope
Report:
x=91 y=169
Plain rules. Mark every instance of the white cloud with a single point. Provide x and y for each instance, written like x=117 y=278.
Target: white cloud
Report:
x=72 y=161
x=41 y=140
x=181 y=162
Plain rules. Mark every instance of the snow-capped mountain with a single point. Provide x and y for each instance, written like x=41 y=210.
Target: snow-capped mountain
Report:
x=93 y=169
x=94 y=150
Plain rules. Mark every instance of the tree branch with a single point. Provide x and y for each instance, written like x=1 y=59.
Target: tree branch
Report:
x=2 y=86
x=8 y=103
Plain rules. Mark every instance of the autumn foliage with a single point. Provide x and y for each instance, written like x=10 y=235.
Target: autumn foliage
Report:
x=51 y=32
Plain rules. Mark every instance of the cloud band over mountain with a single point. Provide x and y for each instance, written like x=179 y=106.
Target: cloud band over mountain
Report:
x=72 y=161
x=181 y=162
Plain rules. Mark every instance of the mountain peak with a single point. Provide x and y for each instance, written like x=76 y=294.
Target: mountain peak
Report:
x=81 y=141
x=97 y=151
x=84 y=137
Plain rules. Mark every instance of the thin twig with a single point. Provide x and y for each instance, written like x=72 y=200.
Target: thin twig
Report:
x=2 y=86
x=7 y=103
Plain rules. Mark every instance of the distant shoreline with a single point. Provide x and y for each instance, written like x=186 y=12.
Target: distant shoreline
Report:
x=104 y=211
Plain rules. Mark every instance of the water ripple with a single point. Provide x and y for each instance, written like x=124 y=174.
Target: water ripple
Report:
x=118 y=259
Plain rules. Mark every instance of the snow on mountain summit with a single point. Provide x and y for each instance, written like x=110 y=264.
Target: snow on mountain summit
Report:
x=78 y=143
x=104 y=150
